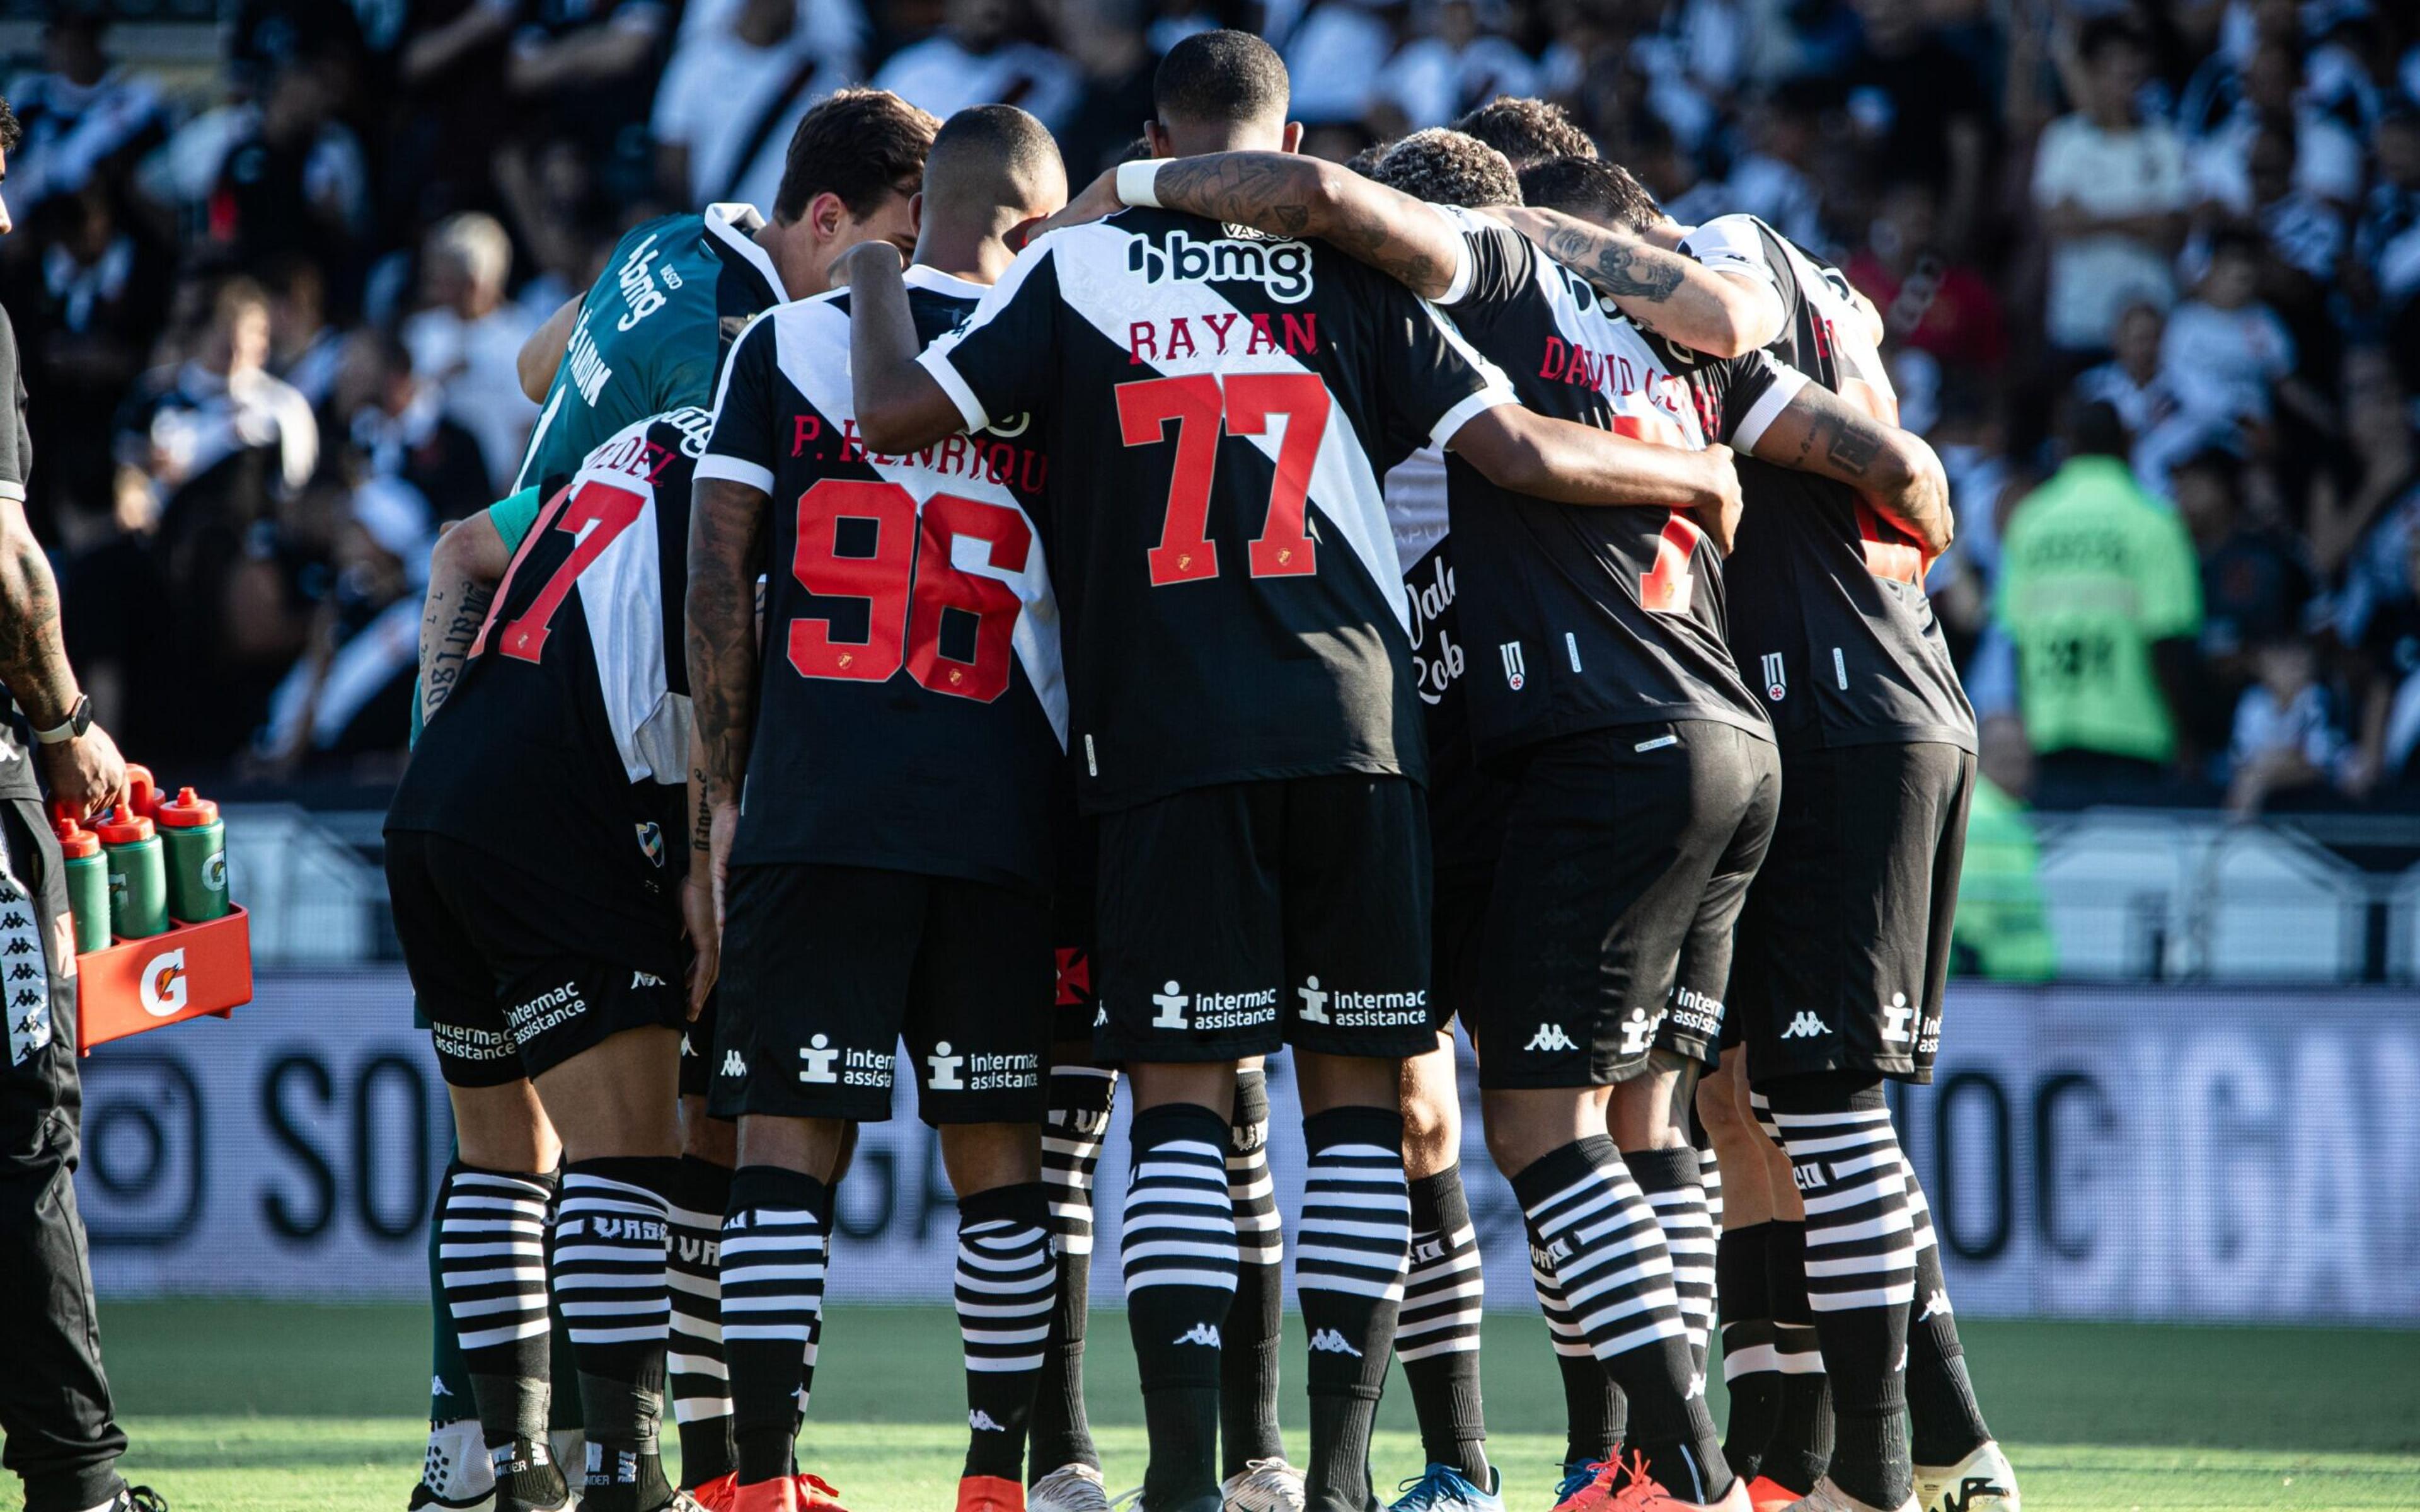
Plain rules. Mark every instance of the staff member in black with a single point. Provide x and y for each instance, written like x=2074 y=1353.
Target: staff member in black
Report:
x=55 y=1411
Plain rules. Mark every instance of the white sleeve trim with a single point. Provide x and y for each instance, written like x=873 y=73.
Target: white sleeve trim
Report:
x=13 y=490
x=734 y=470
x=970 y=409
x=1138 y=183
x=1466 y=268
x=1767 y=408
x=1451 y=421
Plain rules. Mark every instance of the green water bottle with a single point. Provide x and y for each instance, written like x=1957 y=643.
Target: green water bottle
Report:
x=138 y=875
x=87 y=884
x=196 y=845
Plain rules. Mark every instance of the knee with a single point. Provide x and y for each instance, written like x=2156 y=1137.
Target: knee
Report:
x=1432 y=1133
x=715 y=1141
x=980 y=1156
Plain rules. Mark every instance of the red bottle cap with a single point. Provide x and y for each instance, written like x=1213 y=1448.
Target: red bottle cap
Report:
x=76 y=842
x=186 y=812
x=123 y=828
x=142 y=793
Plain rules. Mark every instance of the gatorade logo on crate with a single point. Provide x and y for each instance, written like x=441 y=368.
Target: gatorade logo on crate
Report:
x=162 y=986
x=142 y=984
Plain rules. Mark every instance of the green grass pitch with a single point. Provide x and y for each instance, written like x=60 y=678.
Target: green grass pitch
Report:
x=248 y=1406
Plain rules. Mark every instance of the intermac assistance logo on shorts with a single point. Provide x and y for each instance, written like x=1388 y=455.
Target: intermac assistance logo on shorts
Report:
x=1176 y=1009
x=1282 y=268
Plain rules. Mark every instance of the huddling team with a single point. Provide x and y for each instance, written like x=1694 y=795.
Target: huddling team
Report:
x=1260 y=604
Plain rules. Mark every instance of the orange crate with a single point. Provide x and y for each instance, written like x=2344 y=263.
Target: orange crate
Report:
x=137 y=986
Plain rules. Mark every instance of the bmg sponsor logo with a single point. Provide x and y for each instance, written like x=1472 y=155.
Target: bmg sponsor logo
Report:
x=1282 y=268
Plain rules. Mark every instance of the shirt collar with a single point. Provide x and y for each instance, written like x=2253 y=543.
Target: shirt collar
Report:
x=733 y=226
x=919 y=276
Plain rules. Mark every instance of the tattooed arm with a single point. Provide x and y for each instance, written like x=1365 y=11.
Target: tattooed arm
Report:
x=1287 y=194
x=1819 y=433
x=1667 y=291
x=469 y=560
x=86 y=773
x=701 y=899
x=726 y=527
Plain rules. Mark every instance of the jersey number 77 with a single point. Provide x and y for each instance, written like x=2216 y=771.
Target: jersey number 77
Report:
x=1199 y=405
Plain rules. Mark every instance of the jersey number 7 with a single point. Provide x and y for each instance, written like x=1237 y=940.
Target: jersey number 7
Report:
x=1199 y=403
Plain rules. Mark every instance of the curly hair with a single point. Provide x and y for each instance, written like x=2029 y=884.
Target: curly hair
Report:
x=10 y=132
x=1527 y=130
x=1448 y=168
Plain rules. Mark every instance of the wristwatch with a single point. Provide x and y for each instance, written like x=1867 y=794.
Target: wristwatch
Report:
x=79 y=719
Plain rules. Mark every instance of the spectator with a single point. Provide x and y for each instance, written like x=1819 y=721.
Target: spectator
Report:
x=729 y=97
x=977 y=58
x=453 y=109
x=398 y=426
x=1459 y=58
x=2111 y=190
x=2386 y=245
x=2256 y=582
x=1928 y=302
x=82 y=116
x=585 y=68
x=304 y=344
x=1106 y=42
x=218 y=433
x=2382 y=631
x=1334 y=57
x=2223 y=350
x=2285 y=736
x=467 y=337
x=2100 y=594
x=2131 y=381
x=351 y=690
x=1920 y=105
x=2305 y=231
x=293 y=178
x=1773 y=178
x=2327 y=158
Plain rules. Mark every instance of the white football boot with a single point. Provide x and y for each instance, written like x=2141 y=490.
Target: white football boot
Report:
x=1984 y=1481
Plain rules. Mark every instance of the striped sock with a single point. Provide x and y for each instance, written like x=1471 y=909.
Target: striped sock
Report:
x=1801 y=1447
x=492 y=1253
x=1751 y=1370
x=1254 y=1334
x=1350 y=1259
x=610 y=1276
x=1593 y=1413
x=1670 y=1180
x=1080 y=1098
x=772 y=1257
x=1006 y=1281
x=1436 y=1335
x=1860 y=1271
x=1947 y=1420
x=1599 y=1239
x=1180 y=1274
x=701 y=1384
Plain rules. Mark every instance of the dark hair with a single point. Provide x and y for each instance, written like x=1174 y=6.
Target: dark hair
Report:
x=1365 y=161
x=1527 y=130
x=2240 y=239
x=1220 y=76
x=1449 y=168
x=991 y=152
x=10 y=132
x=1593 y=190
x=862 y=145
x=2091 y=427
x=2105 y=33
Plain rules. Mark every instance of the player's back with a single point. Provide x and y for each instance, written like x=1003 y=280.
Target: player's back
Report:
x=568 y=733
x=1220 y=407
x=1831 y=618
x=911 y=713
x=652 y=331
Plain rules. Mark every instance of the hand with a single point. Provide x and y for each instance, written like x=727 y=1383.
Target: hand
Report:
x=702 y=927
x=1718 y=516
x=87 y=773
x=1099 y=199
x=843 y=267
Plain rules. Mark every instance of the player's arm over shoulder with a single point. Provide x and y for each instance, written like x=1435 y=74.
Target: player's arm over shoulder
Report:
x=1289 y=195
x=1786 y=419
x=995 y=363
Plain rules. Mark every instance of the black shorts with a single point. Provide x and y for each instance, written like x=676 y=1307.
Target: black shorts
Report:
x=1844 y=945
x=697 y=1049
x=1626 y=858
x=827 y=969
x=1071 y=935
x=1456 y=926
x=1241 y=917
x=515 y=975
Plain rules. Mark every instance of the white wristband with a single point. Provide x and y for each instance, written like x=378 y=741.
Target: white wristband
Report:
x=1138 y=183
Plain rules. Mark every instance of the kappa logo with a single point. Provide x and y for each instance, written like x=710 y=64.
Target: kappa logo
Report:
x=1639 y=1031
x=820 y=1054
x=1936 y=1301
x=1550 y=1037
x=1205 y=1335
x=164 y=990
x=1776 y=682
x=1172 y=1009
x=1282 y=268
x=1329 y=1341
x=1101 y=1017
x=945 y=1077
x=735 y=1064
x=1515 y=671
x=1315 y=1002
x=1895 y=1018
x=645 y=979
x=1697 y=1386
x=1805 y=1027
x=982 y=1422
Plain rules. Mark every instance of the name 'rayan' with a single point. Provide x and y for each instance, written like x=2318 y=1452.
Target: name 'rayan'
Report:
x=1177 y=338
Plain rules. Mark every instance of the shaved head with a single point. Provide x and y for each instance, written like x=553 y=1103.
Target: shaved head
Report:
x=996 y=164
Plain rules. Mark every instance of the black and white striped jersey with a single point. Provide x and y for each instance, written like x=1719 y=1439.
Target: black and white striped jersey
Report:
x=1220 y=407
x=1829 y=616
x=910 y=714
x=1579 y=618
x=568 y=733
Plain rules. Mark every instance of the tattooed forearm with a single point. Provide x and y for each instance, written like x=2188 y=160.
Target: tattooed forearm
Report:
x=33 y=658
x=1291 y=196
x=1850 y=445
x=1819 y=432
x=450 y=617
x=1622 y=267
x=725 y=534
x=701 y=821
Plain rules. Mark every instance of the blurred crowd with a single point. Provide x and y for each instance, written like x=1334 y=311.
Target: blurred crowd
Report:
x=2150 y=269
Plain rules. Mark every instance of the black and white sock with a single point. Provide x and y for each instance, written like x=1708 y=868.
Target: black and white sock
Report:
x=1600 y=1240
x=611 y=1232
x=1179 y=1252
x=1006 y=1281
x=1800 y=1449
x=1350 y=1257
x=1860 y=1271
x=492 y=1256
x=701 y=1384
x=773 y=1256
x=1436 y=1335
x=1254 y=1334
x=1593 y=1412
x=1751 y=1369
x=1080 y=1098
x=1947 y=1420
x=1673 y=1186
